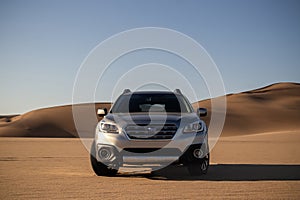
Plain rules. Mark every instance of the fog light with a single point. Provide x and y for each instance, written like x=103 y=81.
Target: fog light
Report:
x=105 y=154
x=198 y=153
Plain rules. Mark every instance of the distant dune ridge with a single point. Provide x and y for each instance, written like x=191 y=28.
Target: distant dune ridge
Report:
x=47 y=122
x=268 y=109
x=273 y=108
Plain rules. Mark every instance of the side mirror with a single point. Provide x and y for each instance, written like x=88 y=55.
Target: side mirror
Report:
x=101 y=112
x=202 y=112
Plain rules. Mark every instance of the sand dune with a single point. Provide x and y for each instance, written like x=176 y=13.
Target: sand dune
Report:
x=272 y=108
x=47 y=122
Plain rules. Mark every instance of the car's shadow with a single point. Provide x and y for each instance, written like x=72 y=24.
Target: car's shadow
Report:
x=229 y=172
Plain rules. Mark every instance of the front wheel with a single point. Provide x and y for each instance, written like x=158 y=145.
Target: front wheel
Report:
x=99 y=168
x=200 y=167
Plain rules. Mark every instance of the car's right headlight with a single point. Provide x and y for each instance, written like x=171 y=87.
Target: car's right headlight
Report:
x=108 y=127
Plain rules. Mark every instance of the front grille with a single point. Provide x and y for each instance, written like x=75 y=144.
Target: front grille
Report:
x=151 y=131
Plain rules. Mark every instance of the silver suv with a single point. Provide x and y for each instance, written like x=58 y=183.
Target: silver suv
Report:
x=150 y=128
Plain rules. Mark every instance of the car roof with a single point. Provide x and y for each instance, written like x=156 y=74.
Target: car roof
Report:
x=151 y=92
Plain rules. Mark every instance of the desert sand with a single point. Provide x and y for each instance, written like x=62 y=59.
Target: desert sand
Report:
x=256 y=157
x=259 y=166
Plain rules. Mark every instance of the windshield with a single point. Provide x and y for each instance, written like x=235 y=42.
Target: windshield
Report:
x=151 y=103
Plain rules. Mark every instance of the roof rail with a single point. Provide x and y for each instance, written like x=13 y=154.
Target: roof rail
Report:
x=126 y=91
x=177 y=91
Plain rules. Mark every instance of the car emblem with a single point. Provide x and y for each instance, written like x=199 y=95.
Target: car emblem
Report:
x=151 y=130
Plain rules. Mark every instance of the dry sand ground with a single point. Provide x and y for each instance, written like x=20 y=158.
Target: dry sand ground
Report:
x=262 y=166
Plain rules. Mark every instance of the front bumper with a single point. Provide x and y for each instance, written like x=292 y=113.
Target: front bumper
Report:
x=149 y=159
x=126 y=151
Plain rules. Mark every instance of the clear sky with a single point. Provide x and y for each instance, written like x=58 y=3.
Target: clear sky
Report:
x=42 y=43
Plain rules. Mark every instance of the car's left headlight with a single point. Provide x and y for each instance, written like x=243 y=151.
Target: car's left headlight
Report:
x=194 y=127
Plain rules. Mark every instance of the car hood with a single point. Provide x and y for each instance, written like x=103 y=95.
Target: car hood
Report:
x=146 y=118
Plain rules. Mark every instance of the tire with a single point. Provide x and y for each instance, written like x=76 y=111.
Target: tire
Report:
x=99 y=168
x=199 y=168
